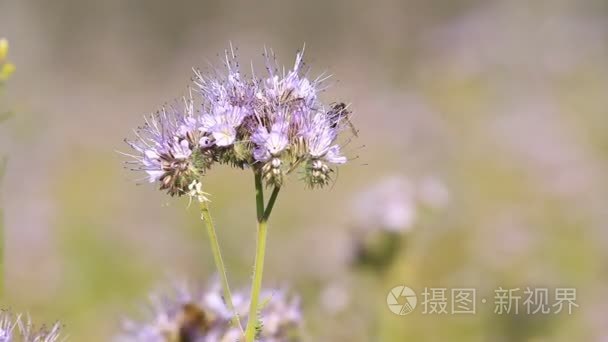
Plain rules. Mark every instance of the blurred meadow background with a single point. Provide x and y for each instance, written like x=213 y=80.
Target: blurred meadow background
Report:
x=483 y=147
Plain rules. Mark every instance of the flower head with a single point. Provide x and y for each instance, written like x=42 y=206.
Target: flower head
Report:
x=186 y=315
x=273 y=124
x=170 y=150
x=16 y=328
x=292 y=126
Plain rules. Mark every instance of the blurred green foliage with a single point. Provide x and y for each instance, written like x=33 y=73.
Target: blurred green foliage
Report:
x=6 y=68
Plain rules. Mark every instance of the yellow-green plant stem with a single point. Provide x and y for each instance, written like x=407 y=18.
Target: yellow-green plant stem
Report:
x=219 y=263
x=256 y=286
x=260 y=251
x=270 y=205
x=259 y=195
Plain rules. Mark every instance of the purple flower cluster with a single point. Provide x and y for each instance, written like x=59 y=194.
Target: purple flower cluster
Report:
x=275 y=124
x=202 y=316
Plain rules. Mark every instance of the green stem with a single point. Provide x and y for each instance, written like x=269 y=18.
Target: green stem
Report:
x=258 y=268
x=219 y=263
x=270 y=205
x=256 y=288
x=259 y=195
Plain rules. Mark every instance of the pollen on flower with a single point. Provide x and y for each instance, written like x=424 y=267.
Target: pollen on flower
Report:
x=196 y=191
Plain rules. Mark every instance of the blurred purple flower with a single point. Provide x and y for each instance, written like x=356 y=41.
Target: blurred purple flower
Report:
x=15 y=328
x=202 y=316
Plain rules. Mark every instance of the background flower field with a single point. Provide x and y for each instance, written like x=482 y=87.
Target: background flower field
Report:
x=482 y=133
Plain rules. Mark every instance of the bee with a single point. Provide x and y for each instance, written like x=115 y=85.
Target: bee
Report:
x=193 y=323
x=339 y=113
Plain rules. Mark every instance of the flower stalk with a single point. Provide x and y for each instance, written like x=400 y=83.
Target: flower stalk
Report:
x=219 y=262
x=260 y=252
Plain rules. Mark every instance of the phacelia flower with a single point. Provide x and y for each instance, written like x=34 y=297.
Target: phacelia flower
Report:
x=170 y=151
x=294 y=128
x=319 y=137
x=273 y=124
x=16 y=328
x=202 y=316
x=222 y=124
